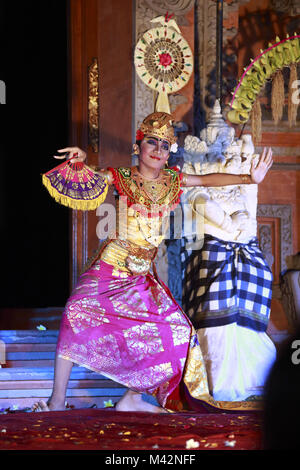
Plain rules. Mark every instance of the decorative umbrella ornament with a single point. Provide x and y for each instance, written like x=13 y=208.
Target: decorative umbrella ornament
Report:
x=163 y=60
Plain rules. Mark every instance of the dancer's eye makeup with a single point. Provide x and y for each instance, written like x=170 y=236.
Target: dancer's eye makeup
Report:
x=151 y=141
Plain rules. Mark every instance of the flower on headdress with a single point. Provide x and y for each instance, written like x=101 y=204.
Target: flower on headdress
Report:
x=174 y=147
x=139 y=135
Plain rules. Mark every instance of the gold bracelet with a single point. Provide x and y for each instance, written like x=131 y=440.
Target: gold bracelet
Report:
x=246 y=178
x=104 y=173
x=184 y=179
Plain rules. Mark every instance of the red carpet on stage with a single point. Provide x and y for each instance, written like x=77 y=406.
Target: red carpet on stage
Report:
x=98 y=429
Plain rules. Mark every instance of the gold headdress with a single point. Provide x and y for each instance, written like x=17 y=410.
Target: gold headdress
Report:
x=158 y=125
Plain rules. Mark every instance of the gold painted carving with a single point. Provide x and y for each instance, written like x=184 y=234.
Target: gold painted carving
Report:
x=93 y=105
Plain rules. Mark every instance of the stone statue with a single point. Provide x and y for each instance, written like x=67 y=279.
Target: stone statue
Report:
x=227 y=283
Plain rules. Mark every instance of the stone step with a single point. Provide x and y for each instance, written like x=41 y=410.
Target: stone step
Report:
x=26 y=364
x=76 y=402
x=71 y=392
x=21 y=387
x=27 y=358
x=27 y=348
x=43 y=384
x=29 y=355
x=46 y=373
x=29 y=336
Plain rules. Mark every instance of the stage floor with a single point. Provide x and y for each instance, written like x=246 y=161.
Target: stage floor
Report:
x=106 y=429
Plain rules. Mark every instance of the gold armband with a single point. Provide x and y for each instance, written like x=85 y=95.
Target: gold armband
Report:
x=184 y=180
x=246 y=179
x=105 y=173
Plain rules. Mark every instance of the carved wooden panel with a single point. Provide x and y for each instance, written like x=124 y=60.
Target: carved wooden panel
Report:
x=93 y=104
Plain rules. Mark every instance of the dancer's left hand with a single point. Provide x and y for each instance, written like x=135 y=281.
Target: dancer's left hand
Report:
x=74 y=154
x=264 y=164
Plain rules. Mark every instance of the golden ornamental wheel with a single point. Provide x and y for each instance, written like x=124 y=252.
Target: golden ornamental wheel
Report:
x=163 y=60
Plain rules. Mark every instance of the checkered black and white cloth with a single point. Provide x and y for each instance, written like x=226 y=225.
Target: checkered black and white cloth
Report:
x=226 y=282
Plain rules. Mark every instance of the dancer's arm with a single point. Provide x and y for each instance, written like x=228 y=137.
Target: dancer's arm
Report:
x=256 y=176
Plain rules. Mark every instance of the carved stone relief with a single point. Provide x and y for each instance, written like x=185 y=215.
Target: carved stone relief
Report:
x=178 y=7
x=205 y=32
x=291 y=7
x=265 y=243
x=290 y=297
x=284 y=213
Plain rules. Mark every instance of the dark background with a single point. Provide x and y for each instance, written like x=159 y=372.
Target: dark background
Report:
x=34 y=124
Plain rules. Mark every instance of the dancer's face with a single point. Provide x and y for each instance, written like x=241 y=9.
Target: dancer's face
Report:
x=154 y=152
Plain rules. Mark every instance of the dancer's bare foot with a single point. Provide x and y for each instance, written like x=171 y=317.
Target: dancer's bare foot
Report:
x=133 y=401
x=49 y=406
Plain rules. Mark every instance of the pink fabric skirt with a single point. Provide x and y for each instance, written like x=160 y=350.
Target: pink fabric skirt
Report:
x=127 y=328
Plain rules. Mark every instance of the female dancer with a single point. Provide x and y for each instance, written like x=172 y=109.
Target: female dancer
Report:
x=121 y=320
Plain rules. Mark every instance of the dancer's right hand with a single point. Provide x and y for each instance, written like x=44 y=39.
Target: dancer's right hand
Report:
x=75 y=154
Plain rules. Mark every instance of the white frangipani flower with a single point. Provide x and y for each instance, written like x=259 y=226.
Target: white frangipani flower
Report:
x=174 y=147
x=192 y=444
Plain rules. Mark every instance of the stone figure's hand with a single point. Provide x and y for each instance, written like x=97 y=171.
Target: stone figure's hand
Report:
x=240 y=220
x=236 y=221
x=74 y=154
x=265 y=162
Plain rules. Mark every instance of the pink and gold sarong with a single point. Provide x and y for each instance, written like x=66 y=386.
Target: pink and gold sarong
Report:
x=126 y=328
x=130 y=329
